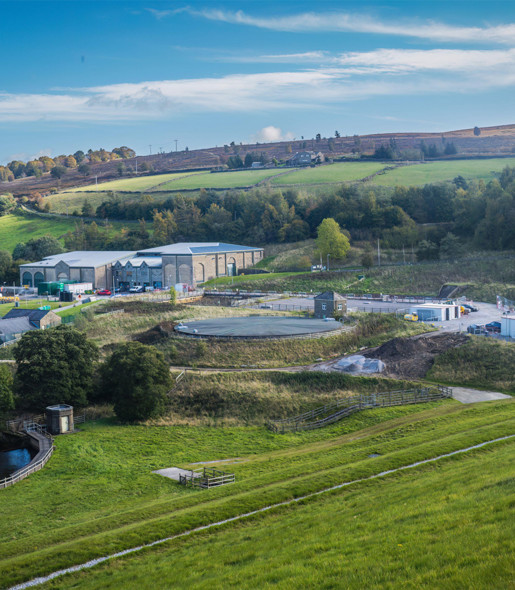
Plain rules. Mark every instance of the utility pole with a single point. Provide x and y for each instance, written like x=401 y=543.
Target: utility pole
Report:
x=378 y=253
x=328 y=261
x=176 y=140
x=136 y=165
x=150 y=148
x=96 y=180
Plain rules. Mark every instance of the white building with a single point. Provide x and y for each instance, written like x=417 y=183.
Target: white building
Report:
x=436 y=312
x=508 y=326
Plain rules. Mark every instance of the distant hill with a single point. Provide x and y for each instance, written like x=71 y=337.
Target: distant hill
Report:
x=493 y=141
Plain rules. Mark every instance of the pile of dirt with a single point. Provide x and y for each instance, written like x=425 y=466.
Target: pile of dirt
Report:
x=411 y=358
x=156 y=334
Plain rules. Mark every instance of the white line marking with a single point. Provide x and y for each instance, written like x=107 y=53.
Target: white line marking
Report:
x=98 y=560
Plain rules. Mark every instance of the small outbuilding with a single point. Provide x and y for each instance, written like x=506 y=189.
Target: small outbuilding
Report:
x=329 y=303
x=59 y=419
x=436 y=312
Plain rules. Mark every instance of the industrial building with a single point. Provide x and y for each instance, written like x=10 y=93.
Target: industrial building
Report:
x=436 y=312
x=161 y=267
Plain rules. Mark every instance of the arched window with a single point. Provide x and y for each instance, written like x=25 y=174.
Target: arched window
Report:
x=27 y=279
x=38 y=278
x=200 y=273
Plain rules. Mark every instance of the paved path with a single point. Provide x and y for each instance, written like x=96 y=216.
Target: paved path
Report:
x=471 y=396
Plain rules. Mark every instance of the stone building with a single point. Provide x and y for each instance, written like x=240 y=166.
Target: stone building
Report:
x=161 y=267
x=329 y=303
x=39 y=318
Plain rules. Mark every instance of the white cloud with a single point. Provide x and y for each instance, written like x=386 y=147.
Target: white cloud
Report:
x=339 y=78
x=270 y=134
x=361 y=23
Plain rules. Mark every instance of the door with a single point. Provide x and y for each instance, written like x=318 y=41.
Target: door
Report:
x=231 y=269
x=65 y=423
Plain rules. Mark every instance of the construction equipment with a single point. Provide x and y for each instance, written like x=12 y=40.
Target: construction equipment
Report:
x=411 y=317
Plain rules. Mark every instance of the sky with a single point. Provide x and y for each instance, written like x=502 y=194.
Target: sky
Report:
x=101 y=74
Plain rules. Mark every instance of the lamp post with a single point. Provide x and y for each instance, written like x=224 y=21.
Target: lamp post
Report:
x=328 y=261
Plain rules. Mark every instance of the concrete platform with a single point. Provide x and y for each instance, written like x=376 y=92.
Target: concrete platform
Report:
x=471 y=396
x=175 y=472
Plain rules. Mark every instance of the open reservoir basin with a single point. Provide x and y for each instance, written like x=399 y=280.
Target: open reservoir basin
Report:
x=11 y=461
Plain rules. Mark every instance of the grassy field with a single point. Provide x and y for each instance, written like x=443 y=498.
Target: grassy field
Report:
x=142 y=183
x=447 y=521
x=21 y=228
x=484 y=278
x=482 y=362
x=418 y=174
x=332 y=173
x=221 y=180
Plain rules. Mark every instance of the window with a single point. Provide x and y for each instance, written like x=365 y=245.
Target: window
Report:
x=339 y=306
x=324 y=306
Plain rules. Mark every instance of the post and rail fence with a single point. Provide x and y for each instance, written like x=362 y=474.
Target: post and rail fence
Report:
x=335 y=411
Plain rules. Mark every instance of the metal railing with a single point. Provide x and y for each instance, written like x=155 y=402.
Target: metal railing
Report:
x=207 y=477
x=34 y=465
x=330 y=413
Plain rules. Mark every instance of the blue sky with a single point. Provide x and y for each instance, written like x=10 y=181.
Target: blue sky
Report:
x=91 y=74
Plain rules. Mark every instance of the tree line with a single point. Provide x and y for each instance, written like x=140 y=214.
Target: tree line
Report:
x=80 y=159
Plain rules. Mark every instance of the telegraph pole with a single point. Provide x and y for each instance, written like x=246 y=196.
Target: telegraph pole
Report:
x=378 y=253
x=150 y=148
x=176 y=140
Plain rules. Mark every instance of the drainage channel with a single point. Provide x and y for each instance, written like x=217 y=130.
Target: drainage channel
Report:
x=99 y=560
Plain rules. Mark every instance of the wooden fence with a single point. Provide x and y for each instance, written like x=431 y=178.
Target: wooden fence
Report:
x=206 y=477
x=337 y=410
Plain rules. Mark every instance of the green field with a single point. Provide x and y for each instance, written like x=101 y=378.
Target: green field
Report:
x=429 y=172
x=221 y=180
x=69 y=202
x=434 y=524
x=344 y=172
x=141 y=183
x=22 y=228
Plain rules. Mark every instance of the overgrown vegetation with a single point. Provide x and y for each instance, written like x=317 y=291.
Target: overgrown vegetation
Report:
x=482 y=362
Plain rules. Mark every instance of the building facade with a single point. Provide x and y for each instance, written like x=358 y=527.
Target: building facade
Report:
x=184 y=263
x=329 y=303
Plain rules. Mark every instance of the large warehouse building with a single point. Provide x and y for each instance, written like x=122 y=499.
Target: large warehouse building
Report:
x=162 y=267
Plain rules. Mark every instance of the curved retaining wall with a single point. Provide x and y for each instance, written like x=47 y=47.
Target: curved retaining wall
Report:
x=44 y=446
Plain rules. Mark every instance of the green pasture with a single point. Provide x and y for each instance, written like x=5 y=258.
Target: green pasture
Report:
x=244 y=178
x=22 y=228
x=331 y=173
x=418 y=174
x=449 y=520
x=69 y=202
x=140 y=183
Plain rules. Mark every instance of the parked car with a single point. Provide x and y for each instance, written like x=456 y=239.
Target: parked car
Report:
x=470 y=307
x=104 y=292
x=136 y=290
x=494 y=327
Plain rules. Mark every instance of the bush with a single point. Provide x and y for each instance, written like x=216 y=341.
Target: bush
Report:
x=137 y=379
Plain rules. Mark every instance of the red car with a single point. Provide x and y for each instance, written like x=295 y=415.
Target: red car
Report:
x=104 y=292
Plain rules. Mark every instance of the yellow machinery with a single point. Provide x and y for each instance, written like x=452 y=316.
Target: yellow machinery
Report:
x=411 y=317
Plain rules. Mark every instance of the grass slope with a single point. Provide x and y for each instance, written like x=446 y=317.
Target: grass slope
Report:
x=418 y=174
x=481 y=362
x=333 y=173
x=21 y=228
x=221 y=180
x=142 y=183
x=97 y=495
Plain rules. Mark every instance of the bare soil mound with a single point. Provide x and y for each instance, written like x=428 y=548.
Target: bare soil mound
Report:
x=411 y=358
x=156 y=334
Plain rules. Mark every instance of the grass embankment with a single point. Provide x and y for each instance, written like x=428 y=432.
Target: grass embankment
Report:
x=482 y=362
x=483 y=278
x=419 y=174
x=253 y=397
x=140 y=316
x=141 y=183
x=22 y=228
x=97 y=495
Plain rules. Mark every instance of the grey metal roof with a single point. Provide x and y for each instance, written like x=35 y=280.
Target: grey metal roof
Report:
x=85 y=258
x=15 y=325
x=34 y=315
x=197 y=248
x=330 y=296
